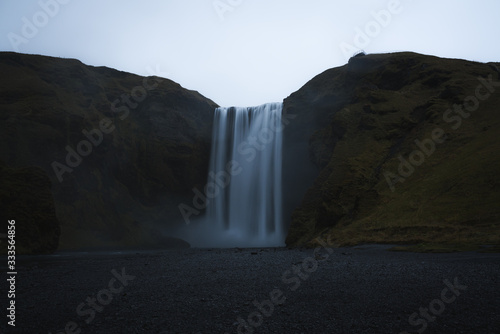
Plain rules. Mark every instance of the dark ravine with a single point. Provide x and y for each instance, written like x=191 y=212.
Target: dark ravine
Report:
x=346 y=130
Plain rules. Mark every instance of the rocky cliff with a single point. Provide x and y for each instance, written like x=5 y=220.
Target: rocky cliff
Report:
x=391 y=148
x=121 y=151
x=26 y=202
x=405 y=149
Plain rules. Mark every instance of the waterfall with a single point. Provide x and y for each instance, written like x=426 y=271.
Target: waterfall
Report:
x=244 y=207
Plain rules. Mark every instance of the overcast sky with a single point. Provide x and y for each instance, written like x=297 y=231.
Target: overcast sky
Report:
x=246 y=52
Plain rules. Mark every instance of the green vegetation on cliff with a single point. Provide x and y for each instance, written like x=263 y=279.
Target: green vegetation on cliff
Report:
x=407 y=150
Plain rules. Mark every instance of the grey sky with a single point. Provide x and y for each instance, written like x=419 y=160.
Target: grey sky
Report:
x=247 y=52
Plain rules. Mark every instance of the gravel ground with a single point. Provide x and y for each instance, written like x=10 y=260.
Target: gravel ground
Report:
x=364 y=289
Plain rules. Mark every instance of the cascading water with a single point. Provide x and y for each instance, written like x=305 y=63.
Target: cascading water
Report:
x=244 y=192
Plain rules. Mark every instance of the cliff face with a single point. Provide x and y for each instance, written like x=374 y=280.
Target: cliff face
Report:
x=122 y=151
x=398 y=148
x=26 y=199
x=405 y=149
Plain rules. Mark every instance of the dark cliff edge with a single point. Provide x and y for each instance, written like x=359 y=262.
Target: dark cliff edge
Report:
x=121 y=151
x=403 y=148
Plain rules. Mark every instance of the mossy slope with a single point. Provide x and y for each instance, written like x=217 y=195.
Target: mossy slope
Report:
x=360 y=120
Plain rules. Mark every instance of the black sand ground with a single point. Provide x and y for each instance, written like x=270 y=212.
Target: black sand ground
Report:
x=351 y=290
